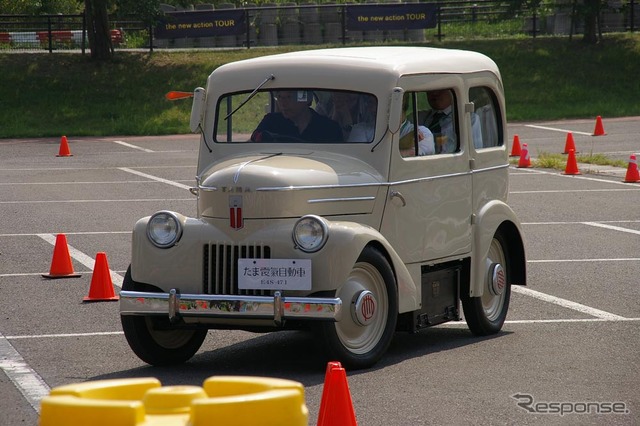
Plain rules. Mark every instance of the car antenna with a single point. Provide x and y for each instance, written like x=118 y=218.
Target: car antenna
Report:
x=251 y=95
x=381 y=137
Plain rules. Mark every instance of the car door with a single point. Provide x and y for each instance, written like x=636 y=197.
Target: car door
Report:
x=489 y=154
x=428 y=213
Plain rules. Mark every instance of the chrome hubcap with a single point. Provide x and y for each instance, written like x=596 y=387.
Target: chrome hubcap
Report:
x=497 y=279
x=364 y=307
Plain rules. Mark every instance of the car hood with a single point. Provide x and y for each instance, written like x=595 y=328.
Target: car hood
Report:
x=288 y=185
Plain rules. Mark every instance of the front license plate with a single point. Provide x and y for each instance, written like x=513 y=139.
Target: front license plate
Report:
x=274 y=274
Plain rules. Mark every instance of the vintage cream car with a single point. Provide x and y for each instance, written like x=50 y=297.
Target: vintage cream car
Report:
x=314 y=211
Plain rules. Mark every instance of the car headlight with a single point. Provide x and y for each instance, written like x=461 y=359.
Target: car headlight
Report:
x=164 y=229
x=310 y=233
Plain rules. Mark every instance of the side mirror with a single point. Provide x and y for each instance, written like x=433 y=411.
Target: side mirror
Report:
x=197 y=109
x=395 y=109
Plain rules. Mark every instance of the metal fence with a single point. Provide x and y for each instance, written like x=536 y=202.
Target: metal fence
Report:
x=316 y=24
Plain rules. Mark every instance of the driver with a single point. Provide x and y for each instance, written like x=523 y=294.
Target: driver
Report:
x=296 y=120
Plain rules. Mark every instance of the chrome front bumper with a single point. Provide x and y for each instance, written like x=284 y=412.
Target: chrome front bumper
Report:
x=276 y=307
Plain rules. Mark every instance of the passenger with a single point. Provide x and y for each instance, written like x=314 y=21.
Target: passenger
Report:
x=440 y=120
x=426 y=145
x=363 y=131
x=296 y=121
x=347 y=109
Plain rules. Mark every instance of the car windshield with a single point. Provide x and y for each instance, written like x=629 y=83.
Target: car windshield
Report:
x=303 y=115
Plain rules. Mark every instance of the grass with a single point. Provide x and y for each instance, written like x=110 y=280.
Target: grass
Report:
x=559 y=161
x=45 y=95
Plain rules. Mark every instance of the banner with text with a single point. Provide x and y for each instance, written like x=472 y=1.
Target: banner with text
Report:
x=391 y=17
x=201 y=24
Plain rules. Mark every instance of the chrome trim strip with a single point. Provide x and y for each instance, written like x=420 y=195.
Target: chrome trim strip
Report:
x=363 y=185
x=370 y=184
x=330 y=200
x=230 y=306
x=240 y=167
x=488 y=169
x=246 y=163
x=295 y=188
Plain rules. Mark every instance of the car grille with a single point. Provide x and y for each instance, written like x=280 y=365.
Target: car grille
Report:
x=220 y=266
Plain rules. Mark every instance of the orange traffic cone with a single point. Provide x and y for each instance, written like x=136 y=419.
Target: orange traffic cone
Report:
x=632 y=170
x=572 y=165
x=525 y=161
x=101 y=284
x=599 y=130
x=515 y=149
x=569 y=144
x=64 y=148
x=61 y=266
x=336 y=407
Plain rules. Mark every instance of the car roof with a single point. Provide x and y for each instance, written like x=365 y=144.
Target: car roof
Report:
x=397 y=60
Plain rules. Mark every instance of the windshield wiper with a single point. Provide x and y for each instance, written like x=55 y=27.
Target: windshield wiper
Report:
x=251 y=95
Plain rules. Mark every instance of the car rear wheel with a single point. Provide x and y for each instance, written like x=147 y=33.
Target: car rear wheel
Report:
x=370 y=313
x=486 y=314
x=153 y=340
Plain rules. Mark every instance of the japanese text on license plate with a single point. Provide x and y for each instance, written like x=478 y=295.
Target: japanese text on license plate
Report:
x=274 y=274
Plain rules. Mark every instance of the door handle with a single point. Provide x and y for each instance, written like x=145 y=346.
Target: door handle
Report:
x=397 y=194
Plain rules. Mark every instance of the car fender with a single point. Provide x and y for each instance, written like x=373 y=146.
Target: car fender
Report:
x=493 y=216
x=331 y=265
x=149 y=263
x=355 y=237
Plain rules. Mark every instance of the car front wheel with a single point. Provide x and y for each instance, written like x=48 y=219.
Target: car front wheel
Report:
x=370 y=313
x=486 y=314
x=153 y=340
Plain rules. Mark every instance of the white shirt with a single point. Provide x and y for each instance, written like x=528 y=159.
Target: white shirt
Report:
x=426 y=144
x=447 y=129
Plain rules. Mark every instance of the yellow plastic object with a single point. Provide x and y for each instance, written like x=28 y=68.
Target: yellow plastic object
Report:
x=222 y=401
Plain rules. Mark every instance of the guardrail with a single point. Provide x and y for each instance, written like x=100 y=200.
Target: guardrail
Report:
x=311 y=23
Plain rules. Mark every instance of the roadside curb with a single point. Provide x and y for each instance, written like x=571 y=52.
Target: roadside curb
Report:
x=593 y=169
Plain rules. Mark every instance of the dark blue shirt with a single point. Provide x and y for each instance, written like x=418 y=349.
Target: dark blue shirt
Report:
x=319 y=129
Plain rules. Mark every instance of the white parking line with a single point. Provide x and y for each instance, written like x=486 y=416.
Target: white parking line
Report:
x=447 y=324
x=559 y=174
x=614 y=228
x=138 y=200
x=555 y=321
x=37 y=274
x=620 y=259
x=113 y=182
x=568 y=304
x=555 y=129
x=76 y=169
x=580 y=223
x=42 y=336
x=463 y=324
x=133 y=146
x=566 y=191
x=87 y=261
x=70 y=233
x=156 y=178
x=28 y=382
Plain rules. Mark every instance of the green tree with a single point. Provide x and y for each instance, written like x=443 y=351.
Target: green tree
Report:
x=145 y=10
x=97 y=17
x=591 y=12
x=42 y=7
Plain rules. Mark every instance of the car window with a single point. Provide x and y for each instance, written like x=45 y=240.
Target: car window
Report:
x=300 y=115
x=415 y=139
x=485 y=123
x=435 y=131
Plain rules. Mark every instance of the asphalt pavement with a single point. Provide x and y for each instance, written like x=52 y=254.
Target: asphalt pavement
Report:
x=569 y=352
